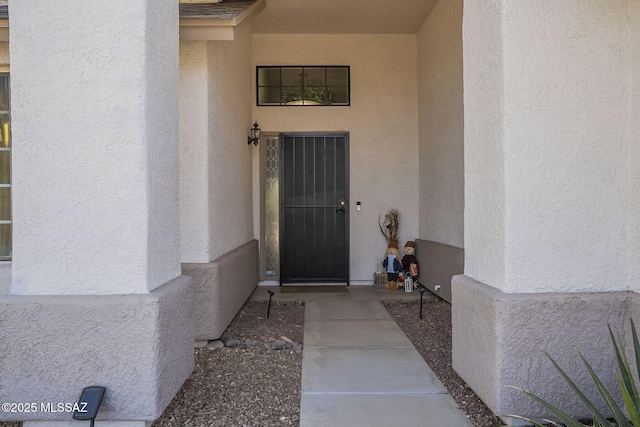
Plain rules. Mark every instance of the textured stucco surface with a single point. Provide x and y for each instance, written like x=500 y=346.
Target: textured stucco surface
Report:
x=221 y=288
x=484 y=200
x=499 y=339
x=382 y=123
x=216 y=184
x=161 y=109
x=547 y=144
x=230 y=164
x=634 y=130
x=475 y=338
x=194 y=152
x=441 y=126
x=5 y=278
x=437 y=264
x=567 y=115
x=99 y=213
x=139 y=346
x=634 y=313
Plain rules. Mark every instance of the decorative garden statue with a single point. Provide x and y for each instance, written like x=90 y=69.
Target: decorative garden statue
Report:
x=392 y=265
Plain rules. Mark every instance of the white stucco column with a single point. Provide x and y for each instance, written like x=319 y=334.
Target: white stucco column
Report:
x=95 y=159
x=97 y=296
x=550 y=194
x=547 y=141
x=567 y=141
x=194 y=153
x=215 y=177
x=634 y=154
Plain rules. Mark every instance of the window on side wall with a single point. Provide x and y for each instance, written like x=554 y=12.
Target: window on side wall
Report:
x=303 y=86
x=6 y=223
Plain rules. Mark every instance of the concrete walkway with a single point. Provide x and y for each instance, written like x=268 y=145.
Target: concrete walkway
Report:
x=359 y=368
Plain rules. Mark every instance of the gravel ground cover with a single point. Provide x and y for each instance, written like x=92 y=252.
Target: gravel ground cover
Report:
x=432 y=338
x=250 y=377
x=242 y=380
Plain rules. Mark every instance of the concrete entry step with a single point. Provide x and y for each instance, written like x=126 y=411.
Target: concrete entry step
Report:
x=311 y=289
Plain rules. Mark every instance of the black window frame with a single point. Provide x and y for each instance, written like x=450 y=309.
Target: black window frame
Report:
x=284 y=103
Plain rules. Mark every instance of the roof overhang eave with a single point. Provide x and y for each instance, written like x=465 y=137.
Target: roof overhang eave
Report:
x=217 y=29
x=193 y=28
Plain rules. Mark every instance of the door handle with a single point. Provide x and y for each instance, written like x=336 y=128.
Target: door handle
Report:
x=342 y=206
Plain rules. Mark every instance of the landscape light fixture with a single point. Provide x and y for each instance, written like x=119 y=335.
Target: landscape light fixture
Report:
x=255 y=134
x=269 y=306
x=89 y=403
x=422 y=291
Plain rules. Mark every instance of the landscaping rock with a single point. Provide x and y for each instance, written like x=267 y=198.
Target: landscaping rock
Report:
x=233 y=342
x=254 y=386
x=215 y=345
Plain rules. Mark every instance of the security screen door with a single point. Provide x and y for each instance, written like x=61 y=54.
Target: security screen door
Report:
x=314 y=215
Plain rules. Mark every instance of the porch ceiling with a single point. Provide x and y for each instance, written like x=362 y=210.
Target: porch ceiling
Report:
x=314 y=16
x=342 y=16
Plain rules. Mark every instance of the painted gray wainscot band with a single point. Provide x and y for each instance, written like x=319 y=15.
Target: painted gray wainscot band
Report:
x=438 y=263
x=5 y=277
x=221 y=287
x=499 y=339
x=139 y=346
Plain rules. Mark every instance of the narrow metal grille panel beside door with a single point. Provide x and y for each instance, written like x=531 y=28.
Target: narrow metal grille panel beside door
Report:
x=314 y=217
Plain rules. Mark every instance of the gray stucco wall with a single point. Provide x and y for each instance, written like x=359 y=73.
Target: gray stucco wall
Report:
x=5 y=277
x=499 y=340
x=441 y=126
x=139 y=346
x=221 y=287
x=634 y=313
x=438 y=263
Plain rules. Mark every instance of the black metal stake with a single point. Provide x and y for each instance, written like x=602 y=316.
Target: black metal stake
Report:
x=269 y=306
x=422 y=291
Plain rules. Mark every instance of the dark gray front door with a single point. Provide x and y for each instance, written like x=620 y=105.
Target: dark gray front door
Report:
x=314 y=217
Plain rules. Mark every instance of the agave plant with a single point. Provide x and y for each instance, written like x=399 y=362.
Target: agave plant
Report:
x=628 y=417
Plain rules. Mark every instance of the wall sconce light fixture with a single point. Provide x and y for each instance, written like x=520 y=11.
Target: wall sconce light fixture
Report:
x=255 y=134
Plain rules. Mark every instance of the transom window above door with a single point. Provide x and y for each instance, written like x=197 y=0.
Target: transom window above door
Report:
x=303 y=86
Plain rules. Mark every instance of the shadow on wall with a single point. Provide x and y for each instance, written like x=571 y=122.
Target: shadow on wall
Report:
x=221 y=287
x=438 y=264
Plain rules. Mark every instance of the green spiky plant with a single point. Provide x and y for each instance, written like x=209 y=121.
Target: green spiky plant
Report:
x=314 y=90
x=625 y=380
